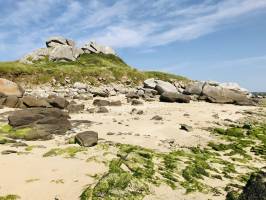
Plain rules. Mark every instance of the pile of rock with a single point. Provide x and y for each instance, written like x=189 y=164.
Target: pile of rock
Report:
x=62 y=49
x=219 y=93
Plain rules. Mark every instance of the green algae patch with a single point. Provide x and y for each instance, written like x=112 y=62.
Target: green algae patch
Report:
x=9 y=197
x=18 y=133
x=69 y=152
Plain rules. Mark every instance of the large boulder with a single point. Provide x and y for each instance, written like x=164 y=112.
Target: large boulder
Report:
x=174 y=97
x=36 y=55
x=194 y=88
x=10 y=88
x=58 y=102
x=58 y=41
x=39 y=123
x=150 y=83
x=31 y=101
x=255 y=188
x=87 y=138
x=233 y=86
x=163 y=86
x=218 y=94
x=62 y=53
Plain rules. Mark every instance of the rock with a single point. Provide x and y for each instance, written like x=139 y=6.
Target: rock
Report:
x=174 y=97
x=8 y=88
x=194 y=88
x=62 y=53
x=59 y=41
x=6 y=152
x=150 y=83
x=116 y=103
x=157 y=117
x=101 y=92
x=233 y=86
x=150 y=92
x=163 y=86
x=75 y=108
x=11 y=101
x=132 y=95
x=79 y=85
x=87 y=138
x=102 y=110
x=136 y=111
x=38 y=54
x=58 y=102
x=93 y=47
x=91 y=110
x=101 y=102
x=39 y=123
x=31 y=101
x=255 y=189
x=186 y=127
x=136 y=102
x=217 y=94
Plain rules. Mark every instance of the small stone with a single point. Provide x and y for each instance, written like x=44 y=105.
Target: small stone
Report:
x=186 y=127
x=6 y=152
x=136 y=102
x=157 y=117
x=102 y=110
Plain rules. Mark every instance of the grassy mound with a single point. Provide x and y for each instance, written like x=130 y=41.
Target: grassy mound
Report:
x=92 y=68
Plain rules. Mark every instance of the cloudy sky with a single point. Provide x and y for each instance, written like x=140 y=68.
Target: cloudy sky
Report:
x=222 y=40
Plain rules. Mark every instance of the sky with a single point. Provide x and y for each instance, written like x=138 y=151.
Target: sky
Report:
x=222 y=40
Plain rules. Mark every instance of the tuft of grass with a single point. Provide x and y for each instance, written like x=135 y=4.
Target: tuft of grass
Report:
x=70 y=152
x=10 y=132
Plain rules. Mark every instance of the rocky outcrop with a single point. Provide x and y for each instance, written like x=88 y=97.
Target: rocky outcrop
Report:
x=63 y=49
x=10 y=88
x=93 y=47
x=39 y=123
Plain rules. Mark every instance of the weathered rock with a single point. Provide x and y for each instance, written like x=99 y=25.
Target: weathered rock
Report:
x=6 y=152
x=93 y=47
x=116 y=103
x=150 y=83
x=75 y=108
x=58 y=41
x=163 y=86
x=87 y=138
x=102 y=109
x=40 y=123
x=194 y=88
x=174 y=97
x=58 y=102
x=36 y=55
x=11 y=101
x=79 y=85
x=255 y=189
x=132 y=95
x=91 y=110
x=31 y=101
x=62 y=53
x=10 y=88
x=217 y=94
x=136 y=102
x=101 y=102
x=157 y=117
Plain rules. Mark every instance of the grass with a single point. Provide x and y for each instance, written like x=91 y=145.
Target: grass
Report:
x=69 y=152
x=87 y=68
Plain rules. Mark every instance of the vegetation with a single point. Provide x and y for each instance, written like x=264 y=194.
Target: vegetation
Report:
x=69 y=152
x=92 y=68
x=8 y=131
x=9 y=197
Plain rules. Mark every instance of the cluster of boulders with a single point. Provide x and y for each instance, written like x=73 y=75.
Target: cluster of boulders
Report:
x=61 y=49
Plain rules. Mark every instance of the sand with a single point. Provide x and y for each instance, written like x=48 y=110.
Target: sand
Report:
x=32 y=176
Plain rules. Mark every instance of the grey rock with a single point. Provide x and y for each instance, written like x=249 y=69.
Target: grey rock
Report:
x=186 y=127
x=101 y=102
x=102 y=110
x=194 y=88
x=87 y=138
x=10 y=88
x=157 y=117
x=11 y=101
x=75 y=108
x=150 y=83
x=6 y=152
x=163 y=86
x=58 y=102
x=174 y=97
x=116 y=103
x=136 y=102
x=31 y=101
x=62 y=53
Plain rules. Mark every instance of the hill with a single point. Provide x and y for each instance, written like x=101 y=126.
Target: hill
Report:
x=92 y=68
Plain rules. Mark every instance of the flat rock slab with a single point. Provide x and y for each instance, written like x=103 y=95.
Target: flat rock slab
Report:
x=87 y=138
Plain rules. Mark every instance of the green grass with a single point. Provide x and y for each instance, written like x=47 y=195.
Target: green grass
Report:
x=87 y=68
x=8 y=131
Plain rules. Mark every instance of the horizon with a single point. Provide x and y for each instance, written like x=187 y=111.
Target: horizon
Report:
x=202 y=40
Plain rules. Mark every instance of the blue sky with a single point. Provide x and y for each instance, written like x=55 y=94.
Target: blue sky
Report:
x=223 y=40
